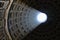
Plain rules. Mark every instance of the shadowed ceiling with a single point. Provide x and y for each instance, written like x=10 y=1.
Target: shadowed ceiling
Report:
x=50 y=29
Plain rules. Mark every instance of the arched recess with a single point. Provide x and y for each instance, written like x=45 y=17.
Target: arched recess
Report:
x=6 y=17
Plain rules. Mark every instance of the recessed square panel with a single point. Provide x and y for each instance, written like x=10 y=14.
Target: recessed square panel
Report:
x=1 y=4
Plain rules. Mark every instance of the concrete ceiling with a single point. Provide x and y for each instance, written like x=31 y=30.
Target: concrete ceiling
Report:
x=50 y=29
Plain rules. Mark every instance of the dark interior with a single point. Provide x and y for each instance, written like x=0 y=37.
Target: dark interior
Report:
x=50 y=29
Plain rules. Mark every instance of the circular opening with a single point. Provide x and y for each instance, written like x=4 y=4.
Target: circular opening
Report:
x=42 y=17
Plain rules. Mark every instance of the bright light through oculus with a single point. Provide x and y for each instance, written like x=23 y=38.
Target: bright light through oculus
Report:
x=41 y=17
